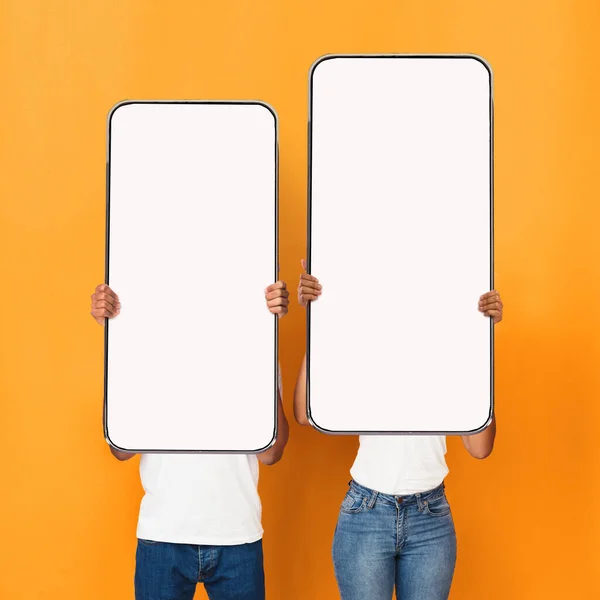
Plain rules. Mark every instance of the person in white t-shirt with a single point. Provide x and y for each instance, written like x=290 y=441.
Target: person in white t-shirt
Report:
x=200 y=517
x=395 y=528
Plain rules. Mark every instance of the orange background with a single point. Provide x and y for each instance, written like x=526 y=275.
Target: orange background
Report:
x=528 y=517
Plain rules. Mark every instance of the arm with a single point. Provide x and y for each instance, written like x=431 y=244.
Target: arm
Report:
x=480 y=445
x=120 y=455
x=275 y=452
x=309 y=290
x=106 y=305
x=277 y=298
x=300 y=395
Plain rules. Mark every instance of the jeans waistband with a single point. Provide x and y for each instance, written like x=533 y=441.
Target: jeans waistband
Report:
x=418 y=498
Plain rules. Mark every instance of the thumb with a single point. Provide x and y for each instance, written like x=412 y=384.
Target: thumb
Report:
x=303 y=263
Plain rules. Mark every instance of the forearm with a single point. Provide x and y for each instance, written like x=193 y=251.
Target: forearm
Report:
x=275 y=452
x=300 y=396
x=480 y=445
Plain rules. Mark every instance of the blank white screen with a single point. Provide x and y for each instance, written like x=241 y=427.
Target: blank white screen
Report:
x=401 y=242
x=191 y=361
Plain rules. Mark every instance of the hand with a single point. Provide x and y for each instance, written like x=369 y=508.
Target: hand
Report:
x=277 y=298
x=105 y=304
x=309 y=288
x=491 y=306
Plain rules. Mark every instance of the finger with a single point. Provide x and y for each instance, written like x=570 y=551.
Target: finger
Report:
x=279 y=310
x=312 y=284
x=107 y=295
x=307 y=277
x=310 y=292
x=492 y=297
x=105 y=302
x=111 y=310
x=490 y=305
x=303 y=263
x=278 y=285
x=103 y=287
x=489 y=294
x=104 y=313
x=277 y=294
x=308 y=297
x=278 y=302
x=488 y=301
x=113 y=298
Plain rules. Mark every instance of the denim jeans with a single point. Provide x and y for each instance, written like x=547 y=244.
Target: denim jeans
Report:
x=167 y=571
x=382 y=541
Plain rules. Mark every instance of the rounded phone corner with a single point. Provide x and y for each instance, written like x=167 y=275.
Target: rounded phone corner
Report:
x=320 y=60
x=483 y=62
x=114 y=445
x=314 y=424
x=486 y=424
x=116 y=107
x=269 y=108
x=267 y=446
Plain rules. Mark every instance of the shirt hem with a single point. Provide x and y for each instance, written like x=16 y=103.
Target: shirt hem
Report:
x=200 y=540
x=408 y=491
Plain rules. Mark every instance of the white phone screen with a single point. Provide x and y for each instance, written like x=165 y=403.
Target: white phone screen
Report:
x=401 y=238
x=191 y=245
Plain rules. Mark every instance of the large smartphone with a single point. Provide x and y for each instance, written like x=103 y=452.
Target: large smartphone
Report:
x=400 y=234
x=191 y=244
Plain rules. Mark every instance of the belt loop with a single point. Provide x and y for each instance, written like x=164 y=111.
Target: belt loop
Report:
x=419 y=502
x=373 y=498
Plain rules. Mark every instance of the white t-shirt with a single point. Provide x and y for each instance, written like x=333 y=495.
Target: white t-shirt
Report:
x=204 y=499
x=400 y=465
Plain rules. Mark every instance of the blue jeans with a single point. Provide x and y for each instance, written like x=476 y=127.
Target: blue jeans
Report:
x=382 y=541
x=171 y=571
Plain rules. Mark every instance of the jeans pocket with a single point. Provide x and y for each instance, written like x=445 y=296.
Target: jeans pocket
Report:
x=438 y=507
x=353 y=503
